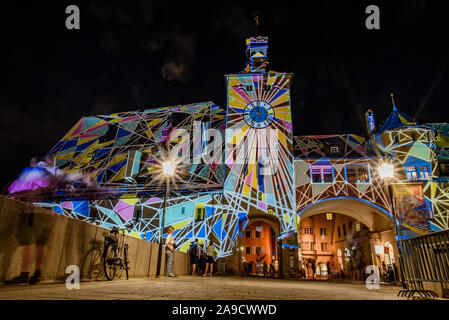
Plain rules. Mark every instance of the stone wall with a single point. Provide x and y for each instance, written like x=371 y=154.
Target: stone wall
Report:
x=73 y=242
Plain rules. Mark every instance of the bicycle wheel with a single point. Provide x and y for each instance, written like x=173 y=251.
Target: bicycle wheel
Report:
x=125 y=258
x=110 y=261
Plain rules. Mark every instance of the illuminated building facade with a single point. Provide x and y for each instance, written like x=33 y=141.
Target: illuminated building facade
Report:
x=260 y=175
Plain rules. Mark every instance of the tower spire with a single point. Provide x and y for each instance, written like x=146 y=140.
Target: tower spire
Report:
x=392 y=100
x=255 y=16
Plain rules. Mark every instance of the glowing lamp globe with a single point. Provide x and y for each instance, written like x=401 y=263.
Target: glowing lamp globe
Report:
x=386 y=171
x=168 y=168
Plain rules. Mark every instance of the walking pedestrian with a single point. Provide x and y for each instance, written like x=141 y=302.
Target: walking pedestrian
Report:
x=265 y=269
x=170 y=251
x=210 y=258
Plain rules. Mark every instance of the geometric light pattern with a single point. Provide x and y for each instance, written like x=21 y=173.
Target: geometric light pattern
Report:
x=259 y=159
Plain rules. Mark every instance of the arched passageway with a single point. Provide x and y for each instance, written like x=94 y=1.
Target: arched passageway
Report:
x=259 y=252
x=340 y=237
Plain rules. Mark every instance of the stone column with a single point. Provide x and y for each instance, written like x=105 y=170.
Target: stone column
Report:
x=288 y=256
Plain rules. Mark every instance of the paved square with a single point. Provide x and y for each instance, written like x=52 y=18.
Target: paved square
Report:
x=201 y=288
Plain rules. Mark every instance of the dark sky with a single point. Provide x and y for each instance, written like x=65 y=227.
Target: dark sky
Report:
x=53 y=76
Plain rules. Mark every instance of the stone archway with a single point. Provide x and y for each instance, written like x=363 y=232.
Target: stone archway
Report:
x=357 y=231
x=259 y=246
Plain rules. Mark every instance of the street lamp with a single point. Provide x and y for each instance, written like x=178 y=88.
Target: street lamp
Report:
x=168 y=170
x=386 y=172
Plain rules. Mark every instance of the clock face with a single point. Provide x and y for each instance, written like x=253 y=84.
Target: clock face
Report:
x=258 y=114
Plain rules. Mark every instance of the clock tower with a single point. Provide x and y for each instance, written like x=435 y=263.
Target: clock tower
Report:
x=259 y=172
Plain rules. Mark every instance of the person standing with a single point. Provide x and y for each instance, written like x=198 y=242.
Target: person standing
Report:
x=210 y=258
x=265 y=269
x=194 y=252
x=170 y=252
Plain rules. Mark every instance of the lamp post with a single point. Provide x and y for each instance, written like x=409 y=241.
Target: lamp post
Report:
x=168 y=170
x=386 y=172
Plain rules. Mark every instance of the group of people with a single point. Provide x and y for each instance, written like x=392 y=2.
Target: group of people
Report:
x=268 y=270
x=202 y=261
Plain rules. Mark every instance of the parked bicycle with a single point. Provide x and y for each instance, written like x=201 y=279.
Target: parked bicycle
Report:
x=115 y=254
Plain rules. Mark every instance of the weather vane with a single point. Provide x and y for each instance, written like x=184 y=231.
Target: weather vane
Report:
x=255 y=16
x=392 y=99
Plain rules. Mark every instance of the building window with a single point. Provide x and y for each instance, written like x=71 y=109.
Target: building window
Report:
x=248 y=250
x=357 y=226
x=339 y=232
x=357 y=173
x=350 y=226
x=257 y=234
x=334 y=149
x=322 y=174
x=267 y=87
x=329 y=216
x=423 y=173
x=306 y=245
x=410 y=172
x=344 y=229
x=444 y=168
x=248 y=234
x=248 y=88
x=396 y=138
x=323 y=232
x=307 y=230
x=200 y=212
x=324 y=246
x=312 y=246
x=414 y=173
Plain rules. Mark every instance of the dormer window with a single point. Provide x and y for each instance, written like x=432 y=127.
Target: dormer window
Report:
x=415 y=173
x=322 y=174
x=396 y=139
x=334 y=149
x=248 y=88
x=357 y=173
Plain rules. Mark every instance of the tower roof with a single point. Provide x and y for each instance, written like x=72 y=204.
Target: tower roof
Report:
x=397 y=119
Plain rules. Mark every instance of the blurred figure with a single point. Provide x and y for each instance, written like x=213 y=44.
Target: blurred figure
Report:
x=194 y=252
x=170 y=251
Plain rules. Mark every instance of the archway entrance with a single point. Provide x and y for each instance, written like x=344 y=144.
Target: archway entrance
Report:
x=259 y=248
x=339 y=238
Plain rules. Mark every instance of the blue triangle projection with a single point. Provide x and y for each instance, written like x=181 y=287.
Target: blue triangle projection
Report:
x=202 y=232
x=210 y=211
x=217 y=227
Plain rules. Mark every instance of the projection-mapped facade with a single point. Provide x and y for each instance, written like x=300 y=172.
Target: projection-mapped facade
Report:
x=258 y=169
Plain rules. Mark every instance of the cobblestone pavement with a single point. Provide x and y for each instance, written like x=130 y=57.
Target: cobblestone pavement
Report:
x=192 y=288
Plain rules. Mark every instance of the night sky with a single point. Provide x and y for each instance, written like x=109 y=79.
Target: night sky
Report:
x=131 y=55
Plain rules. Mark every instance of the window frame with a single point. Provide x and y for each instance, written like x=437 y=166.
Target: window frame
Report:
x=446 y=164
x=321 y=168
x=357 y=172
x=334 y=149
x=325 y=246
x=323 y=232
x=414 y=173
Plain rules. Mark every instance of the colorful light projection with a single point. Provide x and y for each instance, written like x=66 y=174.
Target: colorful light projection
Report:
x=122 y=149
x=351 y=151
x=259 y=160
x=417 y=149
